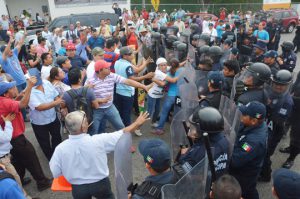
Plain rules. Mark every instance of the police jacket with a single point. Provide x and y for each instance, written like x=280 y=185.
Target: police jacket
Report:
x=255 y=58
x=278 y=111
x=249 y=150
x=274 y=68
x=256 y=94
x=221 y=149
x=227 y=86
x=212 y=99
x=289 y=61
x=151 y=187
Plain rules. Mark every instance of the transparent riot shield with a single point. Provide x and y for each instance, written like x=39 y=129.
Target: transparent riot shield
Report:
x=231 y=115
x=123 y=165
x=201 y=82
x=169 y=54
x=191 y=54
x=191 y=186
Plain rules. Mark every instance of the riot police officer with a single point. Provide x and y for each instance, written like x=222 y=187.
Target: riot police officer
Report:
x=259 y=50
x=215 y=53
x=201 y=53
x=215 y=82
x=230 y=69
x=250 y=148
x=278 y=112
x=287 y=60
x=211 y=121
x=270 y=60
x=249 y=85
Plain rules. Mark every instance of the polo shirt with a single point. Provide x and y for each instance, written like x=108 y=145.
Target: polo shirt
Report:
x=124 y=69
x=105 y=88
x=7 y=106
x=5 y=137
x=10 y=189
x=37 y=98
x=96 y=42
x=12 y=66
x=82 y=158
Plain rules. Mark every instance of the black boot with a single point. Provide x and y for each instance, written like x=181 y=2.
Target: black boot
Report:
x=288 y=164
x=285 y=150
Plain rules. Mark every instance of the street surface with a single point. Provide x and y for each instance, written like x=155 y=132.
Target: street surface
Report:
x=139 y=170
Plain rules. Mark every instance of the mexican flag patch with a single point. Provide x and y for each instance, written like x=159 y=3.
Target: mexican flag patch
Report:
x=246 y=147
x=149 y=159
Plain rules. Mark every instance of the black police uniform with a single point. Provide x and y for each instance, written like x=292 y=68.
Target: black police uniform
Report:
x=296 y=40
x=212 y=99
x=259 y=58
x=274 y=68
x=227 y=86
x=253 y=94
x=289 y=61
x=278 y=112
x=247 y=158
x=197 y=152
x=151 y=187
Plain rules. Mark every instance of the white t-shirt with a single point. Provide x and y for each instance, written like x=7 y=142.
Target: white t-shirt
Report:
x=157 y=91
x=45 y=72
x=90 y=70
x=212 y=33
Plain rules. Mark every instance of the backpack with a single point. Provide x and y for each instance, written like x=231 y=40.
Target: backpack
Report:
x=80 y=102
x=4 y=175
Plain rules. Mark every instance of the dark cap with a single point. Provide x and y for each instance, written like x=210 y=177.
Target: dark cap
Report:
x=155 y=152
x=215 y=78
x=4 y=86
x=260 y=45
x=228 y=42
x=286 y=184
x=227 y=26
x=61 y=60
x=126 y=50
x=271 y=54
x=235 y=51
x=254 y=109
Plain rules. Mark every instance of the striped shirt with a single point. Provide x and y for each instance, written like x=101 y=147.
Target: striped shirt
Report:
x=105 y=88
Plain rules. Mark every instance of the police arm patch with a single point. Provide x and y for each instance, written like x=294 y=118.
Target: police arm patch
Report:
x=247 y=147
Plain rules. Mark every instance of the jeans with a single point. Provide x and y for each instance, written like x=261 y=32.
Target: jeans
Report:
x=110 y=114
x=100 y=189
x=124 y=104
x=42 y=134
x=153 y=106
x=167 y=105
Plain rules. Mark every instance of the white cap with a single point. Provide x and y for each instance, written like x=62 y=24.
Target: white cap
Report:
x=161 y=60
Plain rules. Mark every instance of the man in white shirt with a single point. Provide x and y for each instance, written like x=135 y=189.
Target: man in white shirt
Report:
x=82 y=158
x=47 y=65
x=179 y=24
x=57 y=39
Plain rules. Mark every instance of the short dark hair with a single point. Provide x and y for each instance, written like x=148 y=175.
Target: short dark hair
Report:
x=74 y=75
x=44 y=56
x=38 y=31
x=207 y=63
x=232 y=65
x=53 y=73
x=40 y=39
x=62 y=41
x=110 y=43
x=226 y=187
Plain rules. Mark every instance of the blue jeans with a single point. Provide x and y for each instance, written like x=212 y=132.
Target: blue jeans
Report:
x=167 y=105
x=124 y=104
x=110 y=114
x=153 y=106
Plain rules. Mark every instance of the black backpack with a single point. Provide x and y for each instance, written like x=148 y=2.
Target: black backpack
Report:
x=80 y=102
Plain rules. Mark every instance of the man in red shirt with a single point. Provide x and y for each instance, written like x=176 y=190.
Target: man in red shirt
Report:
x=145 y=14
x=23 y=153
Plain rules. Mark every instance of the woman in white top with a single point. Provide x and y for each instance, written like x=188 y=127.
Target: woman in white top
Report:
x=211 y=32
x=56 y=77
x=157 y=90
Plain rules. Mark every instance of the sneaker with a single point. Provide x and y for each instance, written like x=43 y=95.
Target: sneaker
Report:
x=45 y=185
x=288 y=164
x=138 y=133
x=158 y=131
x=285 y=150
x=154 y=125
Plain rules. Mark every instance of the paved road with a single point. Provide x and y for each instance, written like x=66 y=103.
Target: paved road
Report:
x=139 y=170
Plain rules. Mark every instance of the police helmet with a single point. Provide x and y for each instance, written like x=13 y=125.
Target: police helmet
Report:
x=175 y=43
x=181 y=47
x=196 y=37
x=204 y=49
x=155 y=35
x=287 y=46
x=207 y=119
x=205 y=38
x=260 y=71
x=282 y=77
x=172 y=38
x=194 y=27
x=163 y=30
x=215 y=51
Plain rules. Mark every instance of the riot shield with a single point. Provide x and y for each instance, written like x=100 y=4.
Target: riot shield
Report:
x=169 y=54
x=231 y=115
x=191 y=186
x=123 y=165
x=191 y=55
x=201 y=82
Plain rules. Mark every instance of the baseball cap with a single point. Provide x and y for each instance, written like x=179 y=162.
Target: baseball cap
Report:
x=254 y=109
x=77 y=22
x=35 y=72
x=101 y=64
x=161 y=60
x=286 y=183
x=126 y=50
x=155 y=152
x=215 y=78
x=70 y=47
x=260 y=45
x=4 y=86
x=97 y=51
x=61 y=60
x=271 y=54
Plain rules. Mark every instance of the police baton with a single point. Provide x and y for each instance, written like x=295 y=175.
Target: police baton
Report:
x=210 y=156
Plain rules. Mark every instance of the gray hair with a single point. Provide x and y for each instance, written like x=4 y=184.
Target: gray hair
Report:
x=73 y=122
